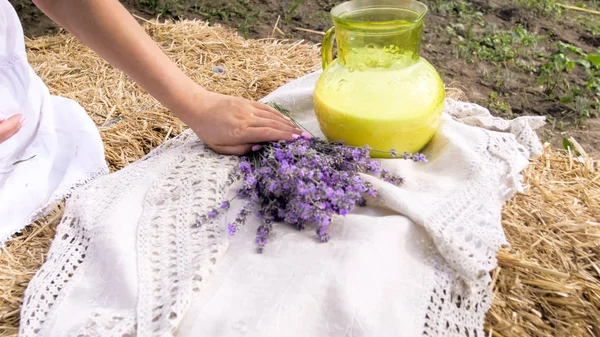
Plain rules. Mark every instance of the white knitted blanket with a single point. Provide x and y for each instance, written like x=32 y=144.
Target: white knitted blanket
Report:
x=127 y=259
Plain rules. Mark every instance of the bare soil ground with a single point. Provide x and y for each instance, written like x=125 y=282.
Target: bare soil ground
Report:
x=516 y=57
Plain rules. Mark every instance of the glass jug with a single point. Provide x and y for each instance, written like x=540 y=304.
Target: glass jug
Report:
x=378 y=91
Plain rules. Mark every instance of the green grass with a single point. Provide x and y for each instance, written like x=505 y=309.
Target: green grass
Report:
x=240 y=12
x=593 y=26
x=159 y=7
x=523 y=50
x=224 y=13
x=462 y=11
x=545 y=7
x=245 y=26
x=565 y=73
x=594 y=4
x=589 y=21
x=495 y=45
x=289 y=14
x=450 y=7
x=499 y=106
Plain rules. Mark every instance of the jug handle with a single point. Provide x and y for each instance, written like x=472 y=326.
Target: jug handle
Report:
x=327 y=47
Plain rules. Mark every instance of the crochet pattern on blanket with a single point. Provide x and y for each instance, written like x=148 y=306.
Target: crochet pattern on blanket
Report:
x=474 y=168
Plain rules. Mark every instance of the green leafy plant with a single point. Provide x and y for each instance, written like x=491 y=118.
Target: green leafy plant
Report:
x=160 y=7
x=245 y=26
x=498 y=106
x=240 y=12
x=453 y=6
x=494 y=45
x=290 y=12
x=546 y=7
x=569 y=147
x=585 y=97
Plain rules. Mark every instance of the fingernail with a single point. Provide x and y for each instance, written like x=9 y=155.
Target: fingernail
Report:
x=23 y=121
x=295 y=136
x=306 y=135
x=256 y=148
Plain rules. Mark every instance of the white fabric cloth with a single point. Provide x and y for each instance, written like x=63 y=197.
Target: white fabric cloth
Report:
x=59 y=146
x=128 y=260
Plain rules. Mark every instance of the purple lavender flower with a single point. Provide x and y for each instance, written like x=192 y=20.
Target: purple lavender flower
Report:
x=213 y=213
x=261 y=237
x=390 y=178
x=305 y=182
x=419 y=157
x=250 y=180
x=371 y=192
x=231 y=228
x=322 y=233
x=245 y=166
x=244 y=192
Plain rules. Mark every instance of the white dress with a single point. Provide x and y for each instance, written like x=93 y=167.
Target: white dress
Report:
x=128 y=260
x=59 y=147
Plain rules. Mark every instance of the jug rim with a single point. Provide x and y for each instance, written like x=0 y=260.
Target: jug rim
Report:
x=416 y=6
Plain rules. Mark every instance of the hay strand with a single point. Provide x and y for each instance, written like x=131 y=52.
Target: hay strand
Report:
x=579 y=9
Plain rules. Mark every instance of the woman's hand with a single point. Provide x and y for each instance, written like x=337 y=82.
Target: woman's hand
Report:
x=9 y=127
x=233 y=125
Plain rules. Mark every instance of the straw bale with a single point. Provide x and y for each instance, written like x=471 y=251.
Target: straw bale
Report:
x=19 y=261
x=547 y=282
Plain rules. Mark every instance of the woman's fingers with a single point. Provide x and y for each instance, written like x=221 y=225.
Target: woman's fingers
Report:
x=274 y=124
x=238 y=150
x=273 y=116
x=257 y=135
x=9 y=127
x=266 y=127
x=270 y=110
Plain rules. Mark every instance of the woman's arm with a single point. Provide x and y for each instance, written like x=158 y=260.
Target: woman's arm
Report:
x=227 y=124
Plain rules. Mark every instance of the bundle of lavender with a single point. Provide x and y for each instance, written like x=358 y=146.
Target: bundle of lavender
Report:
x=304 y=182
